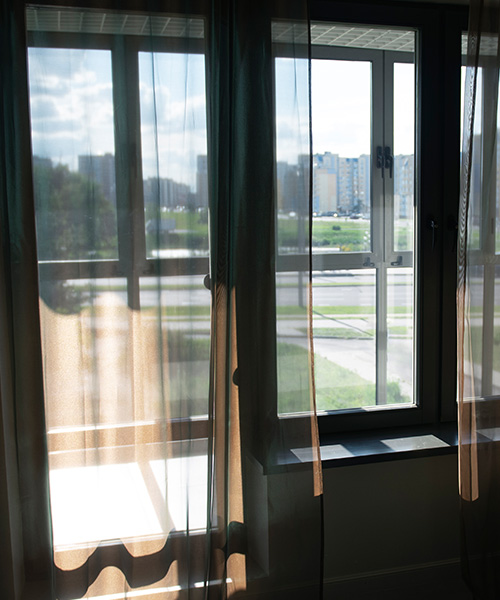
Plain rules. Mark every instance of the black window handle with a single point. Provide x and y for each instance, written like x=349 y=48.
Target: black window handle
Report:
x=388 y=160
x=380 y=160
x=433 y=225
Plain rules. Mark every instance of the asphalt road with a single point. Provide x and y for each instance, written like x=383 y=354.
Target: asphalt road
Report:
x=334 y=290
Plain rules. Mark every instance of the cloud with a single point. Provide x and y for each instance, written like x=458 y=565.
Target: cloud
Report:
x=71 y=103
x=72 y=109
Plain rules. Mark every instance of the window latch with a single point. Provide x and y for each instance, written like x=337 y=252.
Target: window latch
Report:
x=388 y=160
x=398 y=262
x=380 y=160
x=433 y=225
x=368 y=262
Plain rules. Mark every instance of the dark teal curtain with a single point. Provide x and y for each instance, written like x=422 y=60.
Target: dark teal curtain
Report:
x=25 y=515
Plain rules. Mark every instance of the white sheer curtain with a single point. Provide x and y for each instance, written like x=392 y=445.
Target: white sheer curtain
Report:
x=478 y=326
x=152 y=148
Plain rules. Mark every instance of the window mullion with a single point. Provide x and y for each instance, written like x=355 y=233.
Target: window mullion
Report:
x=378 y=220
x=129 y=185
x=388 y=93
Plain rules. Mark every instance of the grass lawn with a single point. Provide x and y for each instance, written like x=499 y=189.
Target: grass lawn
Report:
x=336 y=387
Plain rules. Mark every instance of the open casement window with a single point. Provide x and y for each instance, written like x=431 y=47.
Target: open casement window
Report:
x=482 y=345
x=363 y=201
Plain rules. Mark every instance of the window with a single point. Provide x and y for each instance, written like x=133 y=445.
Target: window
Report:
x=383 y=255
x=106 y=204
x=484 y=223
x=363 y=123
x=385 y=197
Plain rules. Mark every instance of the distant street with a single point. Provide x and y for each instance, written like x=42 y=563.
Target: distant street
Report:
x=348 y=289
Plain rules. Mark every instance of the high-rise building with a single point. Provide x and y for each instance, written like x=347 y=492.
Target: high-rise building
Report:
x=404 y=173
x=364 y=171
x=100 y=169
x=325 y=183
x=40 y=161
x=292 y=183
x=202 y=180
x=166 y=193
x=348 y=186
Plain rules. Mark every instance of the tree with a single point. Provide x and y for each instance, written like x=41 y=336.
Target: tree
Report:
x=74 y=220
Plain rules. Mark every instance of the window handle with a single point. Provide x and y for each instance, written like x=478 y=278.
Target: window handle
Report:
x=398 y=262
x=368 y=262
x=380 y=160
x=388 y=160
x=433 y=226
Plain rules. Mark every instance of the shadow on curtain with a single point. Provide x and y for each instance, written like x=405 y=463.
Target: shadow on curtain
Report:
x=159 y=378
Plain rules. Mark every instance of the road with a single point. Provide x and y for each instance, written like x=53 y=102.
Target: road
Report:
x=353 y=289
x=356 y=289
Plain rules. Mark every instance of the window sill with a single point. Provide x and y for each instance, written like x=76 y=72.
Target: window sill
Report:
x=388 y=444
x=338 y=450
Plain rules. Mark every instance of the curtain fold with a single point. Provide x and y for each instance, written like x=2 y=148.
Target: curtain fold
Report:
x=26 y=524
x=477 y=300
x=157 y=369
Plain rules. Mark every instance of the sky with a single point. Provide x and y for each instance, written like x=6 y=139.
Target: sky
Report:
x=72 y=108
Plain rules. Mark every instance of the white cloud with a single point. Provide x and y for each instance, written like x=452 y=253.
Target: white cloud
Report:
x=72 y=109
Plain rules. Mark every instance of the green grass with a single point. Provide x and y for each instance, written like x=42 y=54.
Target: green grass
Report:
x=182 y=311
x=344 y=310
x=337 y=388
x=399 y=330
x=191 y=231
x=358 y=310
x=347 y=333
x=343 y=333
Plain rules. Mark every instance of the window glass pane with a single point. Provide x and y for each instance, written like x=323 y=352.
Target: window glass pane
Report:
x=341 y=163
x=473 y=364
x=497 y=183
x=363 y=317
x=73 y=146
x=184 y=303
x=400 y=294
x=174 y=154
x=475 y=210
x=292 y=154
x=344 y=328
x=78 y=390
x=94 y=320
x=126 y=498
x=404 y=155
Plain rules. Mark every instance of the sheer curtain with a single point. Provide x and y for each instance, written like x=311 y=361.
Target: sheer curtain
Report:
x=478 y=325
x=156 y=377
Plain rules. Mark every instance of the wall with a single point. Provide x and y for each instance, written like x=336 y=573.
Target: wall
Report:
x=393 y=524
